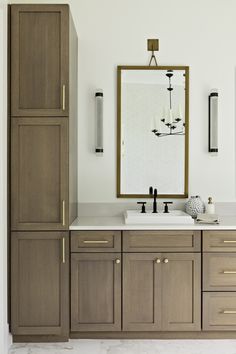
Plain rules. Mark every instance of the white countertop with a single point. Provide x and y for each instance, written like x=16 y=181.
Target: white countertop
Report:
x=117 y=223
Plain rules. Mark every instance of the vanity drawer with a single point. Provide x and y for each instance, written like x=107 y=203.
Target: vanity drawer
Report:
x=95 y=241
x=219 y=241
x=219 y=311
x=161 y=241
x=219 y=271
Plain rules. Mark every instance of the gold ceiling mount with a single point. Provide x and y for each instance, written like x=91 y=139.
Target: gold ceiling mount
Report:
x=153 y=46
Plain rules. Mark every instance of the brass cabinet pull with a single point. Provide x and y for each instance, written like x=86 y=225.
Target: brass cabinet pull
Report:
x=226 y=312
x=229 y=241
x=166 y=260
x=117 y=261
x=63 y=97
x=229 y=271
x=95 y=241
x=63 y=213
x=63 y=250
x=157 y=261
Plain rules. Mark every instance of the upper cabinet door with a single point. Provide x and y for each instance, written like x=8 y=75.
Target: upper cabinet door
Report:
x=181 y=292
x=39 y=174
x=39 y=60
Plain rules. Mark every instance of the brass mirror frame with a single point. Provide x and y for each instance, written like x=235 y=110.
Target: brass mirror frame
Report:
x=119 y=71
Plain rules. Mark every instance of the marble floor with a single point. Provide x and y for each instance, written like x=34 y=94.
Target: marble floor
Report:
x=129 y=347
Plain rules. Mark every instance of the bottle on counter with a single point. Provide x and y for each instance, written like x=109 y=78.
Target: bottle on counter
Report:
x=210 y=207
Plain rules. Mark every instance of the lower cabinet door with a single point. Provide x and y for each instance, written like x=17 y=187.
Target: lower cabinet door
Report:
x=40 y=283
x=142 y=292
x=95 y=292
x=181 y=292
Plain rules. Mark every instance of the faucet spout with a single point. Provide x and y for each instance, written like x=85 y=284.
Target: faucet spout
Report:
x=154 y=198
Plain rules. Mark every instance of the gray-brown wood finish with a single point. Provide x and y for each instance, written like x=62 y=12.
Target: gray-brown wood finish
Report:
x=39 y=60
x=142 y=286
x=95 y=241
x=181 y=292
x=40 y=284
x=161 y=241
x=219 y=241
x=96 y=292
x=219 y=311
x=39 y=174
x=219 y=271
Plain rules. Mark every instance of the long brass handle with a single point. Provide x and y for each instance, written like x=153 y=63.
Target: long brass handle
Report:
x=63 y=97
x=95 y=241
x=229 y=271
x=229 y=241
x=229 y=312
x=63 y=250
x=63 y=213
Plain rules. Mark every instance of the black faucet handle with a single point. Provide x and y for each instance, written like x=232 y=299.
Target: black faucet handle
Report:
x=151 y=190
x=166 y=210
x=143 y=210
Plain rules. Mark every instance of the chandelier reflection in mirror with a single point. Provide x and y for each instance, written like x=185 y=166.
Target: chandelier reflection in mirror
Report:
x=171 y=122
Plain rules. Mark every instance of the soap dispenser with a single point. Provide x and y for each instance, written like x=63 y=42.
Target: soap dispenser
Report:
x=210 y=207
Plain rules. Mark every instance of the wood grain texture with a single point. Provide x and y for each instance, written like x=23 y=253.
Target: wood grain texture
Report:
x=181 y=292
x=219 y=241
x=214 y=305
x=40 y=284
x=39 y=173
x=142 y=286
x=39 y=59
x=219 y=272
x=95 y=241
x=95 y=292
x=161 y=241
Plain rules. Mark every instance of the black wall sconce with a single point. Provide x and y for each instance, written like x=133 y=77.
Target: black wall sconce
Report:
x=213 y=121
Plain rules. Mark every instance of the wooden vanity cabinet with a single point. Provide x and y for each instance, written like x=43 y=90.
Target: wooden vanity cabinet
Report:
x=162 y=292
x=40 y=60
x=40 y=283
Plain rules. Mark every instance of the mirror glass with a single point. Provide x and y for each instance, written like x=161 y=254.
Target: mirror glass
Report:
x=152 y=131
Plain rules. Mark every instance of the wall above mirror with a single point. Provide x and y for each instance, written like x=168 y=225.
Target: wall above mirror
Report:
x=152 y=131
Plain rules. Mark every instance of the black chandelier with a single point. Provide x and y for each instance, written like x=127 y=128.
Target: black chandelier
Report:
x=173 y=126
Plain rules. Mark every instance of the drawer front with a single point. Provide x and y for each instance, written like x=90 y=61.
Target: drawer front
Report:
x=219 y=271
x=161 y=241
x=219 y=241
x=95 y=241
x=219 y=311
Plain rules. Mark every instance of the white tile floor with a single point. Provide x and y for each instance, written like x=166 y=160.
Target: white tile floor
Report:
x=129 y=347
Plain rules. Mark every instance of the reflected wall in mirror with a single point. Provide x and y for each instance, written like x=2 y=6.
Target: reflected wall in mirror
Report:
x=152 y=134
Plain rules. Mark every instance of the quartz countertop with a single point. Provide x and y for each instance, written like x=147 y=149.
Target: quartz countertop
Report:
x=117 y=223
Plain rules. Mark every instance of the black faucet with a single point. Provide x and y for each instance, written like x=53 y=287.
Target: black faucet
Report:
x=155 y=198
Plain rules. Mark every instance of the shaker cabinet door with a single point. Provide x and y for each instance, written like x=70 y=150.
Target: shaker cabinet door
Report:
x=141 y=292
x=39 y=174
x=181 y=292
x=39 y=283
x=39 y=65
x=95 y=292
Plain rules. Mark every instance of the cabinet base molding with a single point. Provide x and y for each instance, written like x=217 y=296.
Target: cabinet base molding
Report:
x=38 y=339
x=153 y=335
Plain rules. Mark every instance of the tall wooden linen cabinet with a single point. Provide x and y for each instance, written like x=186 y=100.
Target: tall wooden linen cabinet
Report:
x=43 y=167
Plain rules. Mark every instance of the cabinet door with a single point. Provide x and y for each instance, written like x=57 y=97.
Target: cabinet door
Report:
x=96 y=292
x=181 y=292
x=141 y=292
x=39 y=174
x=40 y=283
x=39 y=60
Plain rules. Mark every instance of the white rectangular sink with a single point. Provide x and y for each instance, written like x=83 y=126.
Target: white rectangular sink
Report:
x=173 y=217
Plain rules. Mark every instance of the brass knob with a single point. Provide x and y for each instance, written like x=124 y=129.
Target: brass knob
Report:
x=166 y=260
x=117 y=261
x=158 y=260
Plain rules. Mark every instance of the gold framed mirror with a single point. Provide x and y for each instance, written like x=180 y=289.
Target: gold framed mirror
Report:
x=152 y=131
